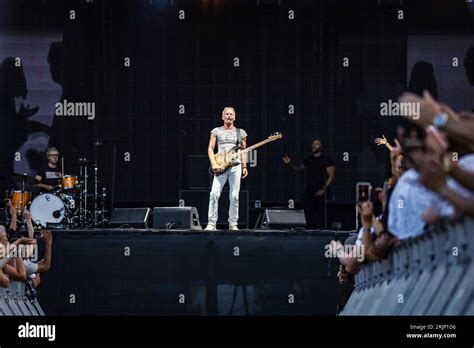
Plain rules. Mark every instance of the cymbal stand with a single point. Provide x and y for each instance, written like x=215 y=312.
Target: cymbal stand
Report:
x=96 y=195
x=101 y=214
x=22 y=204
x=104 y=221
x=81 y=222
x=7 y=211
x=85 y=192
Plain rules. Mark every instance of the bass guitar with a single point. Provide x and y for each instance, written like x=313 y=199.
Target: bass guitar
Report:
x=228 y=159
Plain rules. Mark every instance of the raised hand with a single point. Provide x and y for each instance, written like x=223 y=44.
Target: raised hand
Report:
x=429 y=107
x=381 y=141
x=24 y=241
x=366 y=209
x=432 y=174
x=396 y=150
x=11 y=209
x=27 y=214
x=435 y=141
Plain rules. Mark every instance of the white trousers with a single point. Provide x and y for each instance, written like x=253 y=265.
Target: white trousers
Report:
x=233 y=175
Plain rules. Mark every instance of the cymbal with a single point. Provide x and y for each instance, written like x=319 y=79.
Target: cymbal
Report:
x=29 y=180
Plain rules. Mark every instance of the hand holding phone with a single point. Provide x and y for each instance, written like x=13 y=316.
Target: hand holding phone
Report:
x=436 y=141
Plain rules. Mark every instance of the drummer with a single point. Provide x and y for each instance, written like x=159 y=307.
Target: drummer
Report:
x=49 y=175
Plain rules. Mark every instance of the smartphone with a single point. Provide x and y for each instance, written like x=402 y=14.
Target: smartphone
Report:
x=363 y=191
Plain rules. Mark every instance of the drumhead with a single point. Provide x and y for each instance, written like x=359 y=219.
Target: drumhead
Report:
x=47 y=208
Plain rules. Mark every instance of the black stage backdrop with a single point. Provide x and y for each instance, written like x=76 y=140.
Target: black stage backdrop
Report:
x=160 y=71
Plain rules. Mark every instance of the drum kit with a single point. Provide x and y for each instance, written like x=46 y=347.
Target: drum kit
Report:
x=69 y=205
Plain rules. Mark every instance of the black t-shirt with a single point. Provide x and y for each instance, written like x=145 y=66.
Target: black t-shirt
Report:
x=50 y=176
x=316 y=171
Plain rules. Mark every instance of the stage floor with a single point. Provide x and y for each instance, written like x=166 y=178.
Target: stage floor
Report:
x=297 y=231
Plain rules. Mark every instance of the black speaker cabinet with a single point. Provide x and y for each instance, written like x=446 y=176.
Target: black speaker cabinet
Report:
x=130 y=217
x=283 y=219
x=197 y=172
x=176 y=218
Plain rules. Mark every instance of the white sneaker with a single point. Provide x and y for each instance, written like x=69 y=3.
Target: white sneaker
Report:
x=233 y=228
x=210 y=227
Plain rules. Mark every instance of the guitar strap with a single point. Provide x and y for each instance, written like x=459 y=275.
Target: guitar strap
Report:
x=239 y=137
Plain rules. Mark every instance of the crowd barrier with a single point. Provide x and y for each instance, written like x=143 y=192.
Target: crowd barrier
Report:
x=19 y=300
x=429 y=275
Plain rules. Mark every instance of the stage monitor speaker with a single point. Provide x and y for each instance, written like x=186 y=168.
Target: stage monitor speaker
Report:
x=200 y=200
x=283 y=219
x=130 y=217
x=176 y=218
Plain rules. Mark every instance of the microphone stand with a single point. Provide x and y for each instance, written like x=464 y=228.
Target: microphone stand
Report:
x=325 y=209
x=112 y=190
x=22 y=205
x=81 y=224
x=85 y=191
x=96 y=178
x=95 y=193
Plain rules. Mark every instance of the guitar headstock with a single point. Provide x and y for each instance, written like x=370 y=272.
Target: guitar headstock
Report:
x=275 y=136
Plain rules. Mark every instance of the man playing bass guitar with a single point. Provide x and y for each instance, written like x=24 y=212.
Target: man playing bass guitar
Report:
x=226 y=137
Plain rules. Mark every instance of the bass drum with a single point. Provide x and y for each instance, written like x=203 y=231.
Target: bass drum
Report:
x=47 y=208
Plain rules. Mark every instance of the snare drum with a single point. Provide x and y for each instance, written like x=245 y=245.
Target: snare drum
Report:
x=20 y=200
x=69 y=184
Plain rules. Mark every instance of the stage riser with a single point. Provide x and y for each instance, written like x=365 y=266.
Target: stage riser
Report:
x=93 y=269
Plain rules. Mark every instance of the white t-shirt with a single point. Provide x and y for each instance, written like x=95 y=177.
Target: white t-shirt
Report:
x=408 y=202
x=467 y=163
x=227 y=138
x=16 y=287
x=410 y=199
x=30 y=268
x=361 y=233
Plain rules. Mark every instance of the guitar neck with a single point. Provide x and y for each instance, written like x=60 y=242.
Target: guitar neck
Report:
x=254 y=146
